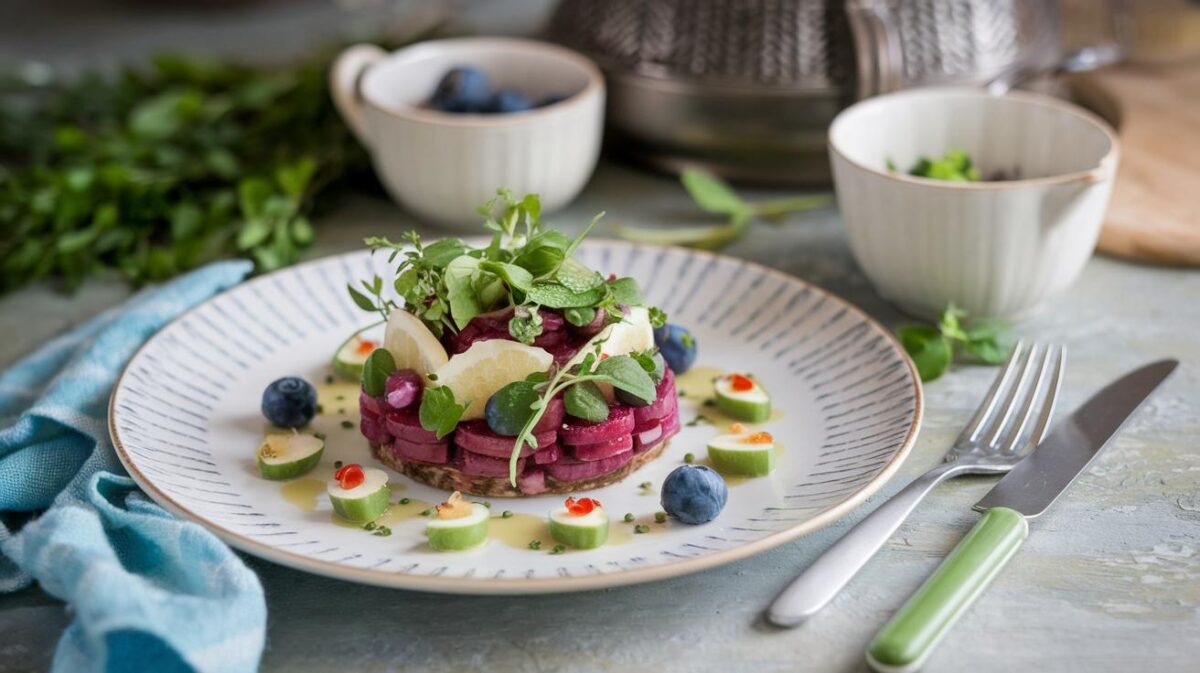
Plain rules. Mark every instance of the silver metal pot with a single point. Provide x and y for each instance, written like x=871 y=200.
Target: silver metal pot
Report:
x=747 y=88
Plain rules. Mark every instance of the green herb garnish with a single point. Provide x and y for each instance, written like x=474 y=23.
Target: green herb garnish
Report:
x=641 y=528
x=347 y=424
x=629 y=517
x=404 y=501
x=954 y=166
x=714 y=196
x=558 y=549
x=525 y=267
x=439 y=413
x=166 y=167
x=337 y=464
x=535 y=544
x=933 y=348
x=660 y=517
x=506 y=514
x=689 y=458
x=621 y=372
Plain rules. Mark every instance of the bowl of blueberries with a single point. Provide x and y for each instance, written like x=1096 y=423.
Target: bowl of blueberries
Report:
x=448 y=121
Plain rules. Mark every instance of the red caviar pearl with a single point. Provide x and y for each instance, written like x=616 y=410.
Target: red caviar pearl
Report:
x=350 y=476
x=581 y=506
x=366 y=346
x=740 y=383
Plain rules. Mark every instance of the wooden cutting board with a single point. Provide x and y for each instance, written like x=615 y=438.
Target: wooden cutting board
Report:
x=1155 y=211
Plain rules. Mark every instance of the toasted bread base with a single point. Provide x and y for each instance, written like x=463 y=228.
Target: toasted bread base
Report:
x=449 y=478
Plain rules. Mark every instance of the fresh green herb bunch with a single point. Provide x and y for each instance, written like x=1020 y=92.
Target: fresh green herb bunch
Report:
x=954 y=166
x=525 y=267
x=164 y=168
x=713 y=195
x=933 y=348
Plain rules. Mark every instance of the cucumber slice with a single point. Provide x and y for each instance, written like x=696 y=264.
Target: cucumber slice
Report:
x=288 y=455
x=461 y=533
x=581 y=532
x=364 y=502
x=737 y=454
x=752 y=406
x=351 y=355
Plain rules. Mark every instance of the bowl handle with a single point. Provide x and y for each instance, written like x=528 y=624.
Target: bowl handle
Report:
x=344 y=80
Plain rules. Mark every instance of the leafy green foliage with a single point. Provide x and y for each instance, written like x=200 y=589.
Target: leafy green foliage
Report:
x=581 y=396
x=162 y=169
x=933 y=348
x=514 y=404
x=525 y=267
x=714 y=196
x=954 y=166
x=439 y=412
x=378 y=366
x=525 y=325
x=584 y=400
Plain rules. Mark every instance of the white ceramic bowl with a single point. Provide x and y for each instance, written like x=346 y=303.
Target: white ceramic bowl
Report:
x=993 y=248
x=442 y=166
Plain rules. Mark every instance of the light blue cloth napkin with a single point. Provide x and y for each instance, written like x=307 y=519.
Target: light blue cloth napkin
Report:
x=149 y=592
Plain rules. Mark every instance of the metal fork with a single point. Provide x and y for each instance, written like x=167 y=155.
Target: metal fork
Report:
x=1012 y=420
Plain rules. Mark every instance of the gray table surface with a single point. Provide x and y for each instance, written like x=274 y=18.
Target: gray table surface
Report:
x=1108 y=581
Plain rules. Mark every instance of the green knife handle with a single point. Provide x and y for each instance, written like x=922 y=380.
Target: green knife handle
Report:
x=908 y=639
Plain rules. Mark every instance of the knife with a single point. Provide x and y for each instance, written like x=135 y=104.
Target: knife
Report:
x=1025 y=492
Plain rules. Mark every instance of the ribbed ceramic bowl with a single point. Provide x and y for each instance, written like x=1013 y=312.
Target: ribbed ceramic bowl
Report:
x=994 y=248
x=442 y=166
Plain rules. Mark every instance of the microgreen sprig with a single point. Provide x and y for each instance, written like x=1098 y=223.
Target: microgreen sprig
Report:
x=623 y=372
x=714 y=196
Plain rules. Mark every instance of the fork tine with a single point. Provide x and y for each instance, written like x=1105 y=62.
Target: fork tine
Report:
x=1047 y=411
x=1016 y=397
x=1011 y=440
x=988 y=406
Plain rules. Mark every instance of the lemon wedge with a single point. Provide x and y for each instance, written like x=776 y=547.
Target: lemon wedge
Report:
x=487 y=366
x=632 y=335
x=411 y=343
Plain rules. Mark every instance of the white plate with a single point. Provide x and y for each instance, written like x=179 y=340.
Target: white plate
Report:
x=185 y=421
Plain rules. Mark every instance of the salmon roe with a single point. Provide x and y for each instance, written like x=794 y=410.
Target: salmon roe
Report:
x=350 y=476
x=740 y=383
x=581 y=506
x=760 y=438
x=366 y=346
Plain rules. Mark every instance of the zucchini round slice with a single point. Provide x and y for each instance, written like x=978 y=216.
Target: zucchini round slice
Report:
x=751 y=454
x=351 y=355
x=462 y=533
x=750 y=404
x=581 y=532
x=288 y=455
x=364 y=502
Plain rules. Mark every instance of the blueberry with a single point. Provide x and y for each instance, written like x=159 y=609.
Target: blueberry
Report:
x=509 y=408
x=677 y=345
x=509 y=100
x=552 y=99
x=463 y=89
x=694 y=494
x=289 y=402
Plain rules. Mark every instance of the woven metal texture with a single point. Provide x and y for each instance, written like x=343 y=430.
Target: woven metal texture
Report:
x=805 y=43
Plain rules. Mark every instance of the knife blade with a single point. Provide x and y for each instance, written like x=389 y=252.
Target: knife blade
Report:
x=1037 y=481
x=908 y=639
